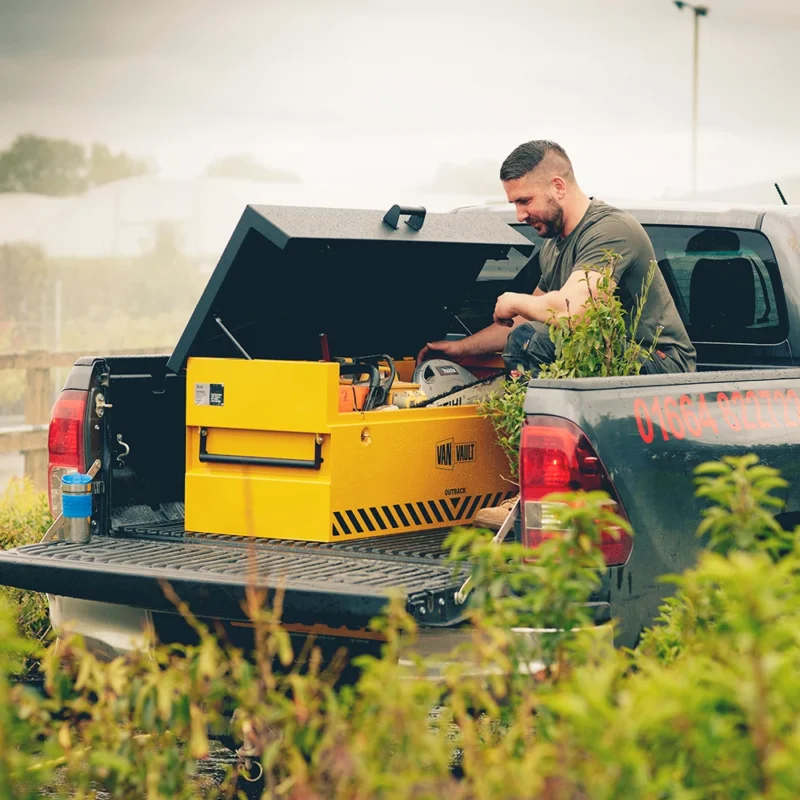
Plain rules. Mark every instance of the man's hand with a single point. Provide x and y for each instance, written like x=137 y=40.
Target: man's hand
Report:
x=507 y=308
x=453 y=351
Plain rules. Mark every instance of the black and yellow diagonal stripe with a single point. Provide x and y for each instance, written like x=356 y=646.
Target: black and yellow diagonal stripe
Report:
x=422 y=514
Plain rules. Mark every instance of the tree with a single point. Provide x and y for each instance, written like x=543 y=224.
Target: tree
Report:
x=106 y=167
x=24 y=276
x=245 y=167
x=43 y=166
x=59 y=167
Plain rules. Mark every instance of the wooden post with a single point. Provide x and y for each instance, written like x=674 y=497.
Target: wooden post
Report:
x=38 y=403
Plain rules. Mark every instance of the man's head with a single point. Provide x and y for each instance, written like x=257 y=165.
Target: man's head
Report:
x=539 y=180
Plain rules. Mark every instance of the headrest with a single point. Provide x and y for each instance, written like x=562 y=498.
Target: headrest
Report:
x=722 y=295
x=714 y=239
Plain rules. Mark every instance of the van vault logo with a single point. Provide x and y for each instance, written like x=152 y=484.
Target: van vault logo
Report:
x=448 y=453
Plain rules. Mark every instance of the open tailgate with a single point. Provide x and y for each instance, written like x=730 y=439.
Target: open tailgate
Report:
x=339 y=584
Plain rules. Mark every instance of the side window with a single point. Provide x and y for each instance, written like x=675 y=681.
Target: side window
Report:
x=725 y=283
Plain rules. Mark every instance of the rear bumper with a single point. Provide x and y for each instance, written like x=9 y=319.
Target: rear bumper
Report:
x=109 y=630
x=112 y=630
x=442 y=648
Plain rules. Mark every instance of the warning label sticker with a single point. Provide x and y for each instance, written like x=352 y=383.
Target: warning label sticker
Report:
x=209 y=394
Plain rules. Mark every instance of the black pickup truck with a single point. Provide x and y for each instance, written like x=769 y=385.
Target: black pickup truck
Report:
x=734 y=275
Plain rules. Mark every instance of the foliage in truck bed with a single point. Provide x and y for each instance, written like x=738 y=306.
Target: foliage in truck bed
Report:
x=705 y=708
x=597 y=342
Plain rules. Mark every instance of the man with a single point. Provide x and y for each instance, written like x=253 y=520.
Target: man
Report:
x=538 y=179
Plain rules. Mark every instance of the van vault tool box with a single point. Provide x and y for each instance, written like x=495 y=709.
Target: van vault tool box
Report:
x=268 y=452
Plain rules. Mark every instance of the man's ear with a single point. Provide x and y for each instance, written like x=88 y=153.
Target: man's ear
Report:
x=560 y=185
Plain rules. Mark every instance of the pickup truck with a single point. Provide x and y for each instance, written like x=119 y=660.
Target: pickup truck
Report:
x=734 y=273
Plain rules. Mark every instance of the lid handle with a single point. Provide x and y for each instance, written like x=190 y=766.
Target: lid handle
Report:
x=416 y=216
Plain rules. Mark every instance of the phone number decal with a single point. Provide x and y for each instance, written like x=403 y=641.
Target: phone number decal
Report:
x=741 y=411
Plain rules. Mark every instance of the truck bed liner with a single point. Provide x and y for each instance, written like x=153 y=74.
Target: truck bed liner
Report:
x=347 y=582
x=428 y=545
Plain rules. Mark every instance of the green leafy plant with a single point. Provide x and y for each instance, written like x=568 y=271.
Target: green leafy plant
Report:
x=600 y=341
x=597 y=343
x=548 y=588
x=529 y=705
x=24 y=518
x=505 y=409
x=739 y=520
x=742 y=514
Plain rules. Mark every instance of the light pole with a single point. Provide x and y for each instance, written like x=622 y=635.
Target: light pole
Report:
x=699 y=11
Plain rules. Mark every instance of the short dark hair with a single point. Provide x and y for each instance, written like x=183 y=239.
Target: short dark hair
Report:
x=528 y=156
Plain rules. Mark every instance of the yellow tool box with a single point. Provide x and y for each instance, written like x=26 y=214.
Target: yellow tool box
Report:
x=269 y=453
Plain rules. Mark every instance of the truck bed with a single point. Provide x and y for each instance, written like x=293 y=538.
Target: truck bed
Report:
x=341 y=583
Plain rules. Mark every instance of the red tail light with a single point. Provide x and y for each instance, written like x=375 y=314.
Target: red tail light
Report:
x=65 y=442
x=556 y=456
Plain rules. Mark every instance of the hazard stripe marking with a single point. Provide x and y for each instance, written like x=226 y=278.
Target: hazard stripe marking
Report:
x=464 y=504
x=378 y=518
x=421 y=513
x=342 y=524
x=367 y=521
x=356 y=524
x=435 y=510
x=401 y=515
x=424 y=511
x=447 y=510
x=410 y=507
x=474 y=507
x=392 y=520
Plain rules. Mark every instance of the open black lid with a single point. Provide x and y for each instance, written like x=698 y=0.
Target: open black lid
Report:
x=373 y=282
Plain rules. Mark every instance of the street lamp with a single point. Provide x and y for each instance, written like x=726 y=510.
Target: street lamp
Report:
x=699 y=11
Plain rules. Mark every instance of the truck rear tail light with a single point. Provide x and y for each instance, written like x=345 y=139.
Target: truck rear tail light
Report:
x=556 y=456
x=65 y=442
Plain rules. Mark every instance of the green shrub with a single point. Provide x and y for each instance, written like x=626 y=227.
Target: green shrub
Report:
x=26 y=749
x=710 y=707
x=24 y=518
x=600 y=341
x=708 y=710
x=505 y=410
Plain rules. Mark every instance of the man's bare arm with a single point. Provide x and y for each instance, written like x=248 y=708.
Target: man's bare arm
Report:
x=570 y=299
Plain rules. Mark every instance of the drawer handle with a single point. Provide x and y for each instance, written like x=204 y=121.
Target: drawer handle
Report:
x=260 y=461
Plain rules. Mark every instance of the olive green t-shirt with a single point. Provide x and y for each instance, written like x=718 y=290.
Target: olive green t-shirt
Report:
x=604 y=227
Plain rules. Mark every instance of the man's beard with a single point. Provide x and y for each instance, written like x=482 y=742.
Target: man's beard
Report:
x=553 y=223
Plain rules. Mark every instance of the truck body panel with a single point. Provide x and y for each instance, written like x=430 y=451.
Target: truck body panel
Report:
x=651 y=432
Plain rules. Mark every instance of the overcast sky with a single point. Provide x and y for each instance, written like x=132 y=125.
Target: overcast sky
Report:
x=354 y=92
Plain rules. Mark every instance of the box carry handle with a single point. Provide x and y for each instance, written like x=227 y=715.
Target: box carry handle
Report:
x=416 y=216
x=260 y=461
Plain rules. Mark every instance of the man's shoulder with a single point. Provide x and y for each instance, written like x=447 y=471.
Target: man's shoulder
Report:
x=611 y=218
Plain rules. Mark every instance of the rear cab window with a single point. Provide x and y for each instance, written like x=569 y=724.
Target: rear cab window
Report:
x=725 y=282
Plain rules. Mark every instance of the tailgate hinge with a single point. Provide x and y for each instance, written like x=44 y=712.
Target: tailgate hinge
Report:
x=437 y=607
